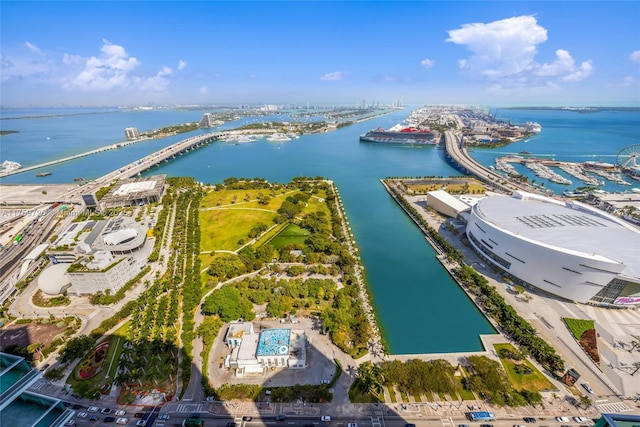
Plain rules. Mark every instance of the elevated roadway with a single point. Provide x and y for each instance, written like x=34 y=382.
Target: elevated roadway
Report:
x=68 y=158
x=457 y=155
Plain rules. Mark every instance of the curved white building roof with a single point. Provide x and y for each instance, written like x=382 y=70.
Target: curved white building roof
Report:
x=120 y=236
x=568 y=227
x=52 y=281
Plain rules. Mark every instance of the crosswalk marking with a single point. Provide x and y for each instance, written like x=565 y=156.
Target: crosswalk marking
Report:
x=189 y=407
x=606 y=408
x=447 y=422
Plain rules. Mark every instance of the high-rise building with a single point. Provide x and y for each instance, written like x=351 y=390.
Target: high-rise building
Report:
x=206 y=121
x=19 y=407
x=131 y=133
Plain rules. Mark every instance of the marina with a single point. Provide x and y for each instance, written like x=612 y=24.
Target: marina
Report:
x=582 y=171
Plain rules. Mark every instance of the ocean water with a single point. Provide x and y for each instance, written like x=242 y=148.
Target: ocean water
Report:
x=413 y=295
x=573 y=137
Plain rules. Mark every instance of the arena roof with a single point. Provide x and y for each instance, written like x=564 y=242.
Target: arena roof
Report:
x=52 y=280
x=569 y=226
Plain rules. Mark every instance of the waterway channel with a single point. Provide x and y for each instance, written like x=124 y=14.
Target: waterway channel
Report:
x=420 y=308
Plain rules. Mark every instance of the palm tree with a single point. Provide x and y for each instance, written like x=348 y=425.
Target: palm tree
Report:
x=586 y=401
x=371 y=378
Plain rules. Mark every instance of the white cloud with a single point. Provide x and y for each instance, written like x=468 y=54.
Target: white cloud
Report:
x=33 y=48
x=502 y=47
x=157 y=83
x=114 y=69
x=109 y=71
x=635 y=56
x=337 y=75
x=504 y=51
x=564 y=68
x=181 y=65
x=427 y=63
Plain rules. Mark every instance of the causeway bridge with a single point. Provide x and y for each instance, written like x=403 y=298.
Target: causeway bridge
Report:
x=138 y=166
x=458 y=157
x=163 y=156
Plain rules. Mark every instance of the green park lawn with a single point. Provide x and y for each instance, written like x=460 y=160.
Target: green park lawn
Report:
x=222 y=229
x=290 y=235
x=535 y=381
x=578 y=326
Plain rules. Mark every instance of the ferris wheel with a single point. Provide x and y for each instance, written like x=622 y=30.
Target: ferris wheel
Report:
x=629 y=158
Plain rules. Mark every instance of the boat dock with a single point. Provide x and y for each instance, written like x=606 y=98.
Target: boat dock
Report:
x=542 y=168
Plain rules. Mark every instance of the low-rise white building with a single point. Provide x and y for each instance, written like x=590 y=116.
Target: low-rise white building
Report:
x=254 y=353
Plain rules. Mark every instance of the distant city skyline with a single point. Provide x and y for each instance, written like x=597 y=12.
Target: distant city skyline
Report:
x=122 y=53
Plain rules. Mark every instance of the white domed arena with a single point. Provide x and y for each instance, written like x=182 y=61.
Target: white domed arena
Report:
x=564 y=248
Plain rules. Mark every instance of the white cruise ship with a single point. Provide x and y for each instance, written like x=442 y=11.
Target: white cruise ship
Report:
x=532 y=127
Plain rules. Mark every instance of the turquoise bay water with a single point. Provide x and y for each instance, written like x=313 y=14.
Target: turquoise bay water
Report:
x=421 y=310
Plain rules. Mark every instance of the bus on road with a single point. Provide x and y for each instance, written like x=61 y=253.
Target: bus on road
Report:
x=481 y=416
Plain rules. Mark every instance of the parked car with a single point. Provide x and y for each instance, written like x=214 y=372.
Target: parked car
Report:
x=122 y=420
x=325 y=418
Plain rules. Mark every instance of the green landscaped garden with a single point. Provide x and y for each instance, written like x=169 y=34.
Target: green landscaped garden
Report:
x=96 y=372
x=292 y=234
x=579 y=326
x=522 y=374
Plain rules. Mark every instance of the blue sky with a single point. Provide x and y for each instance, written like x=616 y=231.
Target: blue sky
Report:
x=122 y=53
